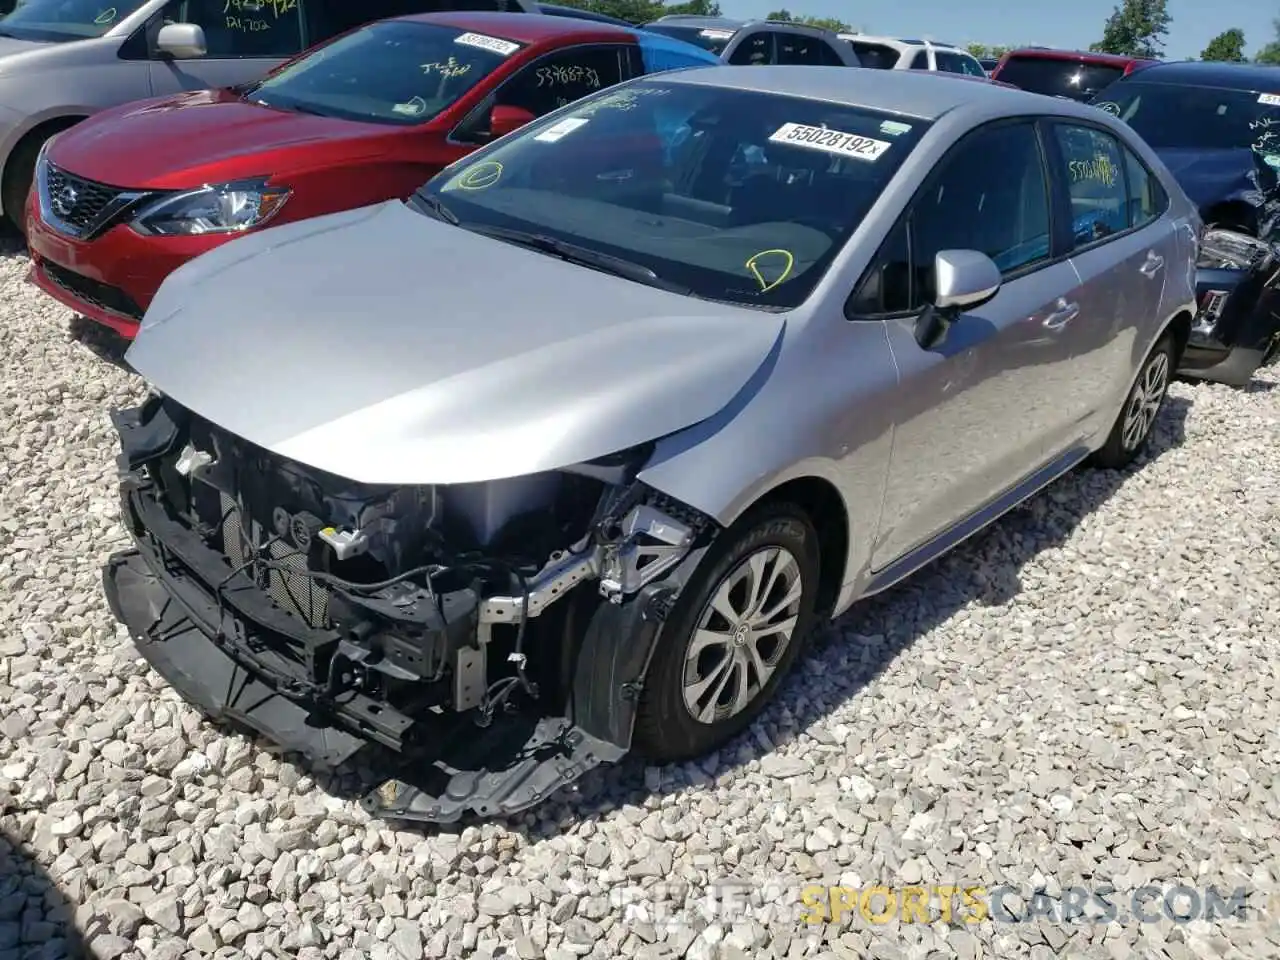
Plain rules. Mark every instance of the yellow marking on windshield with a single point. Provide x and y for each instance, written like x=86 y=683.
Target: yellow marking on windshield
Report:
x=753 y=264
x=450 y=68
x=480 y=176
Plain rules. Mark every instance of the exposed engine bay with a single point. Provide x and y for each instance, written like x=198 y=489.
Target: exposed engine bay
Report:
x=397 y=616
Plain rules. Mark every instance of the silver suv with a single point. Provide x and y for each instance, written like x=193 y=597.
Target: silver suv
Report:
x=759 y=42
x=61 y=60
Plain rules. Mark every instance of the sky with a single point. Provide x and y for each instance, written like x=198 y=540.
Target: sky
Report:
x=1074 y=24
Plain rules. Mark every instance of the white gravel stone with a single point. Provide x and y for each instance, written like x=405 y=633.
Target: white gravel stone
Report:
x=1085 y=693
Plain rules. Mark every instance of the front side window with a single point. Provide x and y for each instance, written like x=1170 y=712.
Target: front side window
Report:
x=58 y=21
x=562 y=77
x=875 y=55
x=990 y=194
x=1058 y=78
x=727 y=195
x=1172 y=116
x=969 y=66
x=243 y=28
x=920 y=61
x=949 y=61
x=1096 y=182
x=394 y=72
x=755 y=50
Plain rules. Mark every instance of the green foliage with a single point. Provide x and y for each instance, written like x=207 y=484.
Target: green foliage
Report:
x=1136 y=28
x=981 y=50
x=1227 y=46
x=1270 y=54
x=644 y=11
x=826 y=23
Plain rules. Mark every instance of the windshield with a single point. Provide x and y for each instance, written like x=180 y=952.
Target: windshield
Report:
x=729 y=195
x=875 y=55
x=1204 y=118
x=713 y=39
x=398 y=72
x=1058 y=78
x=61 y=20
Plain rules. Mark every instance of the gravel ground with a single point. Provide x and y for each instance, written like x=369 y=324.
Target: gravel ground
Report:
x=1081 y=696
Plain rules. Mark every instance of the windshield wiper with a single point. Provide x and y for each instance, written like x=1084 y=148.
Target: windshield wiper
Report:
x=293 y=108
x=584 y=256
x=433 y=206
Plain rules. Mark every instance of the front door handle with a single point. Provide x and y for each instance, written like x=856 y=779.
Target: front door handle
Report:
x=1152 y=265
x=1065 y=313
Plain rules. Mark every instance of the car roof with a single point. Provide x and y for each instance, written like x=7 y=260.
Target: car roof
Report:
x=1227 y=76
x=921 y=94
x=1078 y=56
x=695 y=20
x=526 y=27
x=901 y=43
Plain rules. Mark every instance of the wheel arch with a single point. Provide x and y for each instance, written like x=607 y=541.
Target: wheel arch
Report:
x=37 y=134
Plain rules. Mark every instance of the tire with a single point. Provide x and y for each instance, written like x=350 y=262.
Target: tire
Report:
x=1132 y=430
x=780 y=541
x=19 y=172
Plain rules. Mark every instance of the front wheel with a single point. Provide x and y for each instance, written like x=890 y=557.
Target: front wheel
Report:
x=731 y=638
x=1132 y=430
x=19 y=173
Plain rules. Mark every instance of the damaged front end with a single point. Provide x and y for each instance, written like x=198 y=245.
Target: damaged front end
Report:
x=489 y=638
x=1237 y=326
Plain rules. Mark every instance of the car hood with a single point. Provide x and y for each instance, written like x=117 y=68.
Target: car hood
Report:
x=172 y=142
x=1211 y=177
x=387 y=347
x=9 y=46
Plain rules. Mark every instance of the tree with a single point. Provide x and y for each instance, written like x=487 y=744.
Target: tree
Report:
x=977 y=50
x=1136 y=28
x=1228 y=46
x=1270 y=54
x=825 y=23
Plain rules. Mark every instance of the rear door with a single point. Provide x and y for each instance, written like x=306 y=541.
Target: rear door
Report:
x=1122 y=248
x=975 y=410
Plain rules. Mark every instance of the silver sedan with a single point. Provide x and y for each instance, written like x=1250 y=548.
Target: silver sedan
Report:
x=589 y=434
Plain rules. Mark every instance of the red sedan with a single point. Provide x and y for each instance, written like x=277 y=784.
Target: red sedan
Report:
x=131 y=194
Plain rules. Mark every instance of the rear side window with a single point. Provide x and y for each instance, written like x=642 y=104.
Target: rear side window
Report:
x=1058 y=78
x=805 y=51
x=875 y=55
x=1096 y=181
x=754 y=50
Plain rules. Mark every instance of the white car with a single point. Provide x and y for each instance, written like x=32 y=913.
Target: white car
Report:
x=891 y=53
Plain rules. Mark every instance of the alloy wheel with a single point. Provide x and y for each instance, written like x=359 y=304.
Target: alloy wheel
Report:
x=742 y=634
x=1145 y=401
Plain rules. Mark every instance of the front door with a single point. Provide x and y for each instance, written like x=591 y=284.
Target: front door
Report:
x=972 y=412
x=1122 y=248
x=245 y=39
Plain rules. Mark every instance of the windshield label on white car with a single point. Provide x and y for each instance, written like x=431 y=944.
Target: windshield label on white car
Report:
x=832 y=141
x=562 y=129
x=1270 y=99
x=894 y=128
x=716 y=34
x=504 y=47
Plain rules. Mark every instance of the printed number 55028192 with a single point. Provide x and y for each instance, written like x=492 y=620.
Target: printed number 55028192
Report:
x=830 y=141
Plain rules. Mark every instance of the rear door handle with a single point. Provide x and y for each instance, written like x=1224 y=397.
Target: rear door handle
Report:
x=1152 y=265
x=1065 y=313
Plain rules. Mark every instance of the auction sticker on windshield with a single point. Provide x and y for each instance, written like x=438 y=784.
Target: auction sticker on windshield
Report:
x=1270 y=99
x=504 y=47
x=832 y=141
x=562 y=129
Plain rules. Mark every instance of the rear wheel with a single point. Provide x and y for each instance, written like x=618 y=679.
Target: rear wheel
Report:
x=732 y=637
x=1132 y=430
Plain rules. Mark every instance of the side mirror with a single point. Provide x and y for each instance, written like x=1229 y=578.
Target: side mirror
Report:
x=182 y=41
x=963 y=279
x=503 y=119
